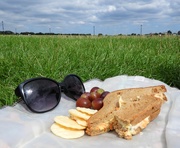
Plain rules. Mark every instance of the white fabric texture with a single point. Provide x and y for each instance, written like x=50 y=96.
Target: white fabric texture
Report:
x=20 y=128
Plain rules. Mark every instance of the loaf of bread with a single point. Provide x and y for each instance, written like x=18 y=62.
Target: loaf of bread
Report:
x=126 y=109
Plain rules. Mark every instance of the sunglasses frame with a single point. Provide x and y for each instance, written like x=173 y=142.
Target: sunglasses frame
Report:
x=19 y=91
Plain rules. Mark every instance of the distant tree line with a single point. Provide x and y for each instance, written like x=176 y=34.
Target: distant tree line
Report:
x=40 y=33
x=156 y=34
x=8 y=32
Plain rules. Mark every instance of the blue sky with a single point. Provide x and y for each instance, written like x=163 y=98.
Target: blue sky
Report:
x=79 y=16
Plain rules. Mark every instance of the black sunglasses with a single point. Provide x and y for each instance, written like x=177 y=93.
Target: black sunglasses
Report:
x=44 y=94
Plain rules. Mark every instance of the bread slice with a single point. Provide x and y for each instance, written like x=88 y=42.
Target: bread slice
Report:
x=104 y=120
x=133 y=117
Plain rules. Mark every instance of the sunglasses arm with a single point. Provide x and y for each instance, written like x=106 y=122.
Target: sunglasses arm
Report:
x=61 y=85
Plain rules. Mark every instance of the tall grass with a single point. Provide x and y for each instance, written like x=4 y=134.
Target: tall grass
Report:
x=23 y=57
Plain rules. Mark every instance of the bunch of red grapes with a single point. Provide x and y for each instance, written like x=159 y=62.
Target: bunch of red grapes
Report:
x=92 y=99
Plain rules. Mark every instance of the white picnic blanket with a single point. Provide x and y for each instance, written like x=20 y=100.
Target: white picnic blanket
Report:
x=20 y=128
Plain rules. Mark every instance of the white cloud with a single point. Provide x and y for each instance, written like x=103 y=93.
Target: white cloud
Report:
x=111 y=8
x=93 y=18
x=78 y=22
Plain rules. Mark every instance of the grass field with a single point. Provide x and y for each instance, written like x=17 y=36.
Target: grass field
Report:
x=23 y=57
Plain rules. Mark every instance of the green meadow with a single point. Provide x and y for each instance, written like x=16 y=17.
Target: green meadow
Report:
x=24 y=57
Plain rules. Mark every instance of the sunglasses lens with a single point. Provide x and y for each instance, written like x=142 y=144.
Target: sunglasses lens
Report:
x=73 y=86
x=42 y=95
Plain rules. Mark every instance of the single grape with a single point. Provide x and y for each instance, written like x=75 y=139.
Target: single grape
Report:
x=83 y=102
x=94 y=95
x=97 y=104
x=104 y=94
x=100 y=91
x=94 y=89
x=86 y=95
